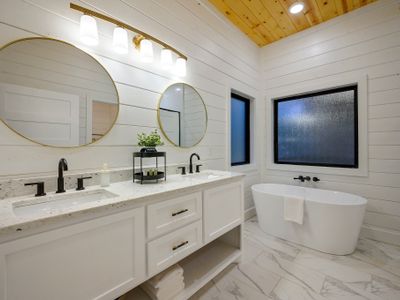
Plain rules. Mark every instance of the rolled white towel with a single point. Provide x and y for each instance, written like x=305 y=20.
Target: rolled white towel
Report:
x=166 y=293
x=293 y=209
x=167 y=282
x=174 y=272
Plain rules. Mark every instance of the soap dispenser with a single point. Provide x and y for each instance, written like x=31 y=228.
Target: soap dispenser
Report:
x=105 y=176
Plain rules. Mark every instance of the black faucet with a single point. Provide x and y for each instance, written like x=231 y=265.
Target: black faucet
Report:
x=302 y=178
x=191 y=163
x=62 y=166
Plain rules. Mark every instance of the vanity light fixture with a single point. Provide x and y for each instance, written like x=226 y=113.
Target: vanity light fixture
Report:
x=166 y=58
x=120 y=40
x=180 y=67
x=296 y=7
x=146 y=51
x=142 y=41
x=88 y=30
x=145 y=47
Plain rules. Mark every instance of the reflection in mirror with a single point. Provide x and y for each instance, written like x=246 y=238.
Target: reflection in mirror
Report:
x=54 y=93
x=182 y=115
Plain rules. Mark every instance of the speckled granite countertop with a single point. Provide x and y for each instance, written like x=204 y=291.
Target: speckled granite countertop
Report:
x=128 y=195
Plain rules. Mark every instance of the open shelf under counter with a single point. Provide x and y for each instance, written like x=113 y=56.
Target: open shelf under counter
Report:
x=199 y=268
x=206 y=263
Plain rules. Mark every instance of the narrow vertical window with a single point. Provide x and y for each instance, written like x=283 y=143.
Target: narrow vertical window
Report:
x=240 y=130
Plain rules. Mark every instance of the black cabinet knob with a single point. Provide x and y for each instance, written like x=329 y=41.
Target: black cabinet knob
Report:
x=40 y=188
x=315 y=179
x=80 y=186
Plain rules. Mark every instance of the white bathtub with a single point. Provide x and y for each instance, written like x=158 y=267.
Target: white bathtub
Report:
x=332 y=220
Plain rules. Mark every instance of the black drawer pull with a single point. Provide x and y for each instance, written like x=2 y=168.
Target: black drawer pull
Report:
x=179 y=212
x=180 y=245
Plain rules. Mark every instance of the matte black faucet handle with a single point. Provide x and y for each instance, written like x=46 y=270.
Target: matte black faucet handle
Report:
x=198 y=168
x=183 y=172
x=40 y=188
x=307 y=178
x=80 y=183
x=316 y=179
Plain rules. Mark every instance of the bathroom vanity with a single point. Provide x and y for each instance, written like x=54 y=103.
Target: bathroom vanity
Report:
x=102 y=242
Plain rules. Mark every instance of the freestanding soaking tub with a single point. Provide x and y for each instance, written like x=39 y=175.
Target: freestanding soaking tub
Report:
x=332 y=220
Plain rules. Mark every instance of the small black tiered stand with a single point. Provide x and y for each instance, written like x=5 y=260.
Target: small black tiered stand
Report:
x=143 y=177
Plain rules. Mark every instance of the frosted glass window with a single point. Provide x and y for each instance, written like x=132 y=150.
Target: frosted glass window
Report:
x=317 y=129
x=240 y=130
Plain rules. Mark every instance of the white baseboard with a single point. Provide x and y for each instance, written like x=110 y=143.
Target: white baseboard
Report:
x=249 y=213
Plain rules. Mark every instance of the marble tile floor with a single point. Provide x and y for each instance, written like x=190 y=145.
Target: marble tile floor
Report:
x=275 y=269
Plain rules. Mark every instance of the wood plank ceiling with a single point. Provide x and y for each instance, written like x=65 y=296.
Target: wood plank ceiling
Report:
x=266 y=21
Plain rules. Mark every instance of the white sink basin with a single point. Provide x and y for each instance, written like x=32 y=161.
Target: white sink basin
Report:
x=51 y=203
x=204 y=175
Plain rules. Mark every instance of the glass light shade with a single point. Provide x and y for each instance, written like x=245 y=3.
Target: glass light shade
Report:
x=146 y=51
x=180 y=67
x=296 y=7
x=88 y=30
x=166 y=58
x=120 y=40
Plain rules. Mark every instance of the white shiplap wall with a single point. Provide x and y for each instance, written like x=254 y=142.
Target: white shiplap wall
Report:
x=363 y=42
x=220 y=58
x=366 y=41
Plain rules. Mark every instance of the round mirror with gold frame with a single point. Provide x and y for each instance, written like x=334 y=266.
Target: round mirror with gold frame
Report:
x=55 y=94
x=182 y=115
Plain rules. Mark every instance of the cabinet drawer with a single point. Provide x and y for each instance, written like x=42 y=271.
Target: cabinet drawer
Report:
x=222 y=209
x=169 y=215
x=169 y=249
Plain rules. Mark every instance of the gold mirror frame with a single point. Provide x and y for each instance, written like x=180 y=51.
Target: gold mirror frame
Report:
x=159 y=116
x=92 y=58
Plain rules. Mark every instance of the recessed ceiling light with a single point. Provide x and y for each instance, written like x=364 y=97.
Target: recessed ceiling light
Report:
x=296 y=7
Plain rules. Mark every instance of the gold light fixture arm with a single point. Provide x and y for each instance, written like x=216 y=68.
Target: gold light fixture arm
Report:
x=92 y=13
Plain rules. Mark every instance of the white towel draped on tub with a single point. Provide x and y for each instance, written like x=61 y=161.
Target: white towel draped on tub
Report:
x=293 y=209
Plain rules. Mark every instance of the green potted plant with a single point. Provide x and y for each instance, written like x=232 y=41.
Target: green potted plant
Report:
x=149 y=142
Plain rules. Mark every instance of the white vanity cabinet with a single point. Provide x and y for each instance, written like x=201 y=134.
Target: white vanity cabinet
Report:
x=222 y=209
x=103 y=258
x=97 y=259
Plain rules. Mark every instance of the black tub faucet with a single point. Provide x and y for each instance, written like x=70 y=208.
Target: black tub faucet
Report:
x=191 y=162
x=62 y=166
x=302 y=178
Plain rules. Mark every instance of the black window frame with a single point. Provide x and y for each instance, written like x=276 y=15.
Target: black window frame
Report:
x=247 y=103
x=354 y=88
